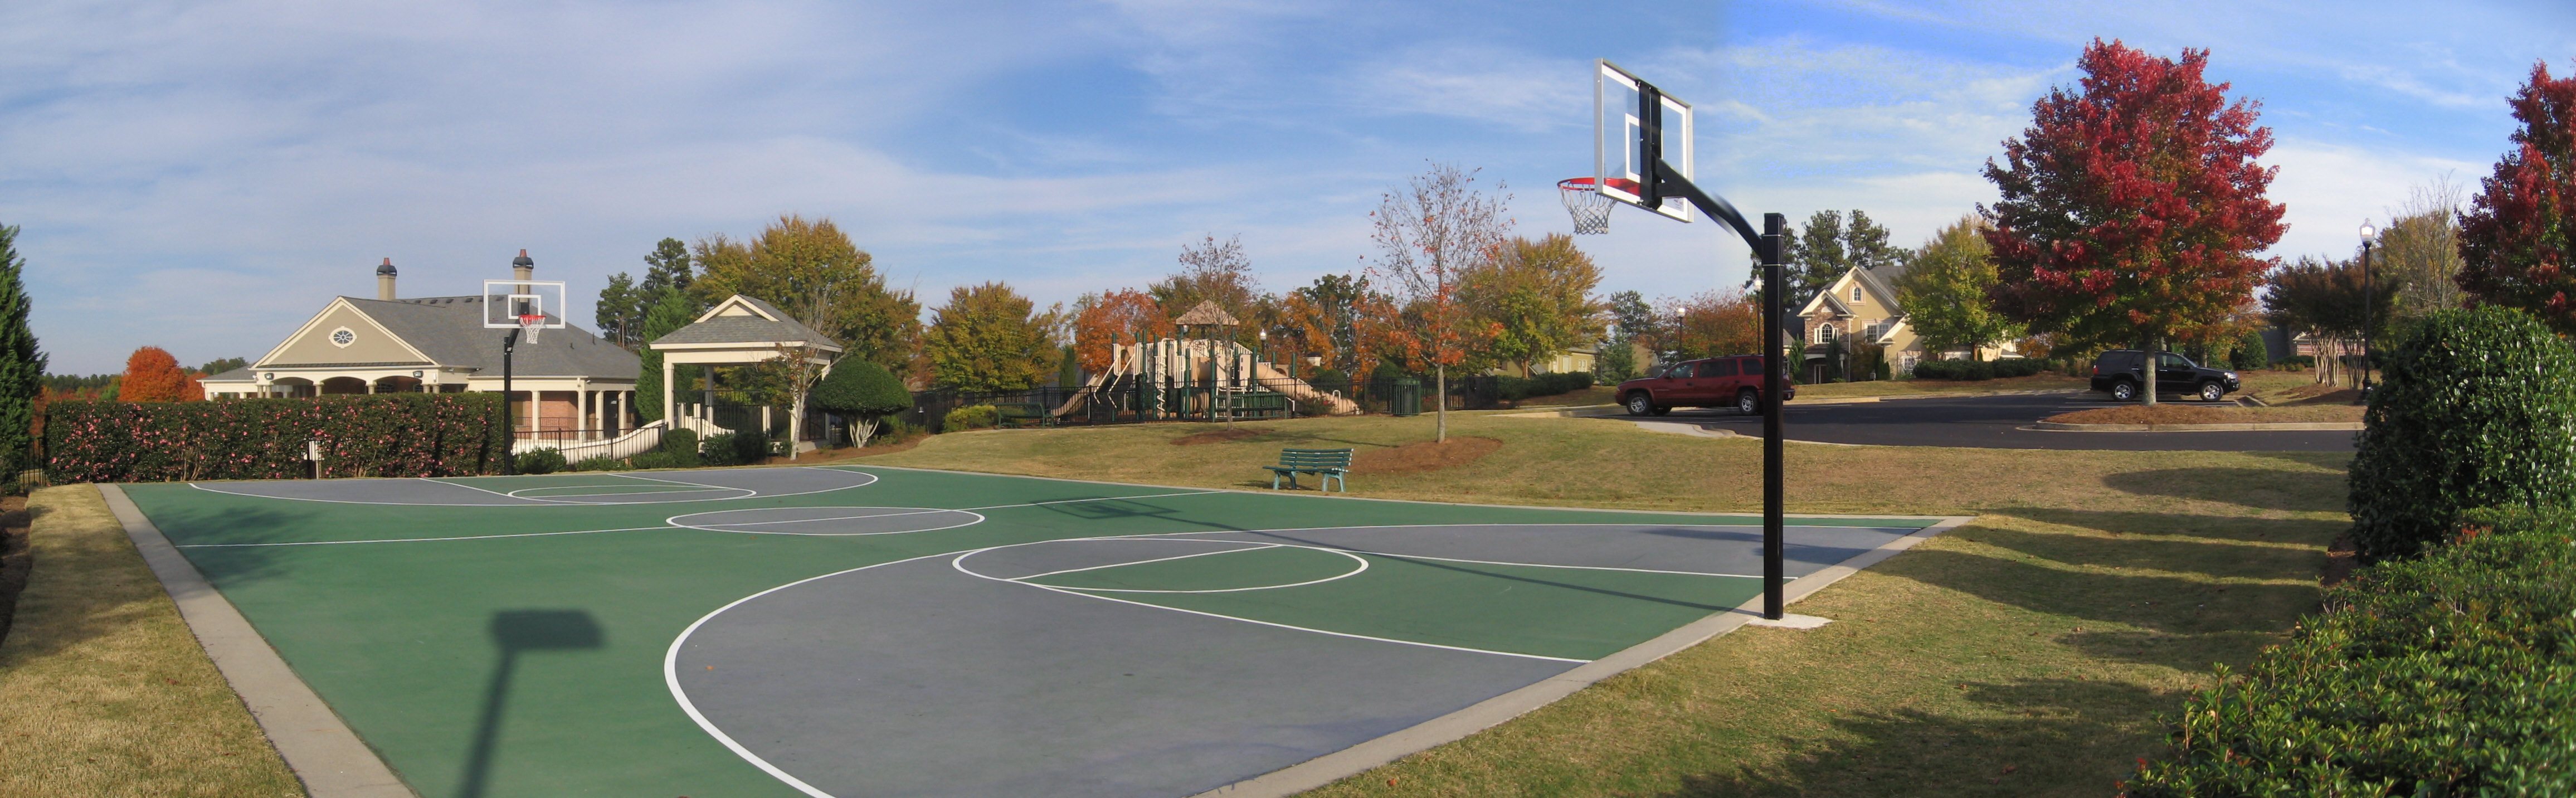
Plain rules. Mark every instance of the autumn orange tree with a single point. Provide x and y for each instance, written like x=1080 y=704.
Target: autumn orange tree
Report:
x=2132 y=207
x=1111 y=319
x=1430 y=233
x=1716 y=323
x=2517 y=240
x=152 y=375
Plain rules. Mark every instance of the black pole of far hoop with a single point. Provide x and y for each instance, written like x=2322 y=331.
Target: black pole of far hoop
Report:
x=509 y=425
x=1766 y=244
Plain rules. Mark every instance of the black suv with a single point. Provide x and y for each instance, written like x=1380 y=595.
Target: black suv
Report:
x=2117 y=371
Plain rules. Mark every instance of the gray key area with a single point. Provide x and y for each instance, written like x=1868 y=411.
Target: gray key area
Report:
x=914 y=679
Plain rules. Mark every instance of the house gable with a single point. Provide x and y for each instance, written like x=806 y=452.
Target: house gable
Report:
x=368 y=342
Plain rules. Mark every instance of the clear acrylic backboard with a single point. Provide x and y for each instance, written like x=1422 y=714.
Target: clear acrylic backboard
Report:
x=518 y=304
x=1620 y=120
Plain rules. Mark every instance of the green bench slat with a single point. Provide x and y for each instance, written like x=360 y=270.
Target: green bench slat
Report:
x=1328 y=463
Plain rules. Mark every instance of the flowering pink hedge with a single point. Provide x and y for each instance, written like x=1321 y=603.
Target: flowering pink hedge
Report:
x=390 y=435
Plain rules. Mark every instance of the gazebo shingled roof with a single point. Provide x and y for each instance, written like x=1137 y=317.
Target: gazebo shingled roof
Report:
x=1207 y=313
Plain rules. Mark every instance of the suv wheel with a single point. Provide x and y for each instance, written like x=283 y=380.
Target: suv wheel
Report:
x=1747 y=402
x=1640 y=404
x=2124 y=391
x=2212 y=392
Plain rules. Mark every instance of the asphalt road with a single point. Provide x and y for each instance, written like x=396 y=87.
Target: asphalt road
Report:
x=1997 y=422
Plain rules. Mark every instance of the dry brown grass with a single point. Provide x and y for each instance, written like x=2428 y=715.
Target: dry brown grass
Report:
x=103 y=691
x=1424 y=456
x=2025 y=654
x=2179 y=413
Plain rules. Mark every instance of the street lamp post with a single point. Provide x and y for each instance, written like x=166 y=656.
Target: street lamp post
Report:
x=2368 y=307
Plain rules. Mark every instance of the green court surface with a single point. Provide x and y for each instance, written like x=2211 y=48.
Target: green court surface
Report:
x=856 y=631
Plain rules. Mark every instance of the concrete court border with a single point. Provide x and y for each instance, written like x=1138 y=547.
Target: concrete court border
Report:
x=323 y=752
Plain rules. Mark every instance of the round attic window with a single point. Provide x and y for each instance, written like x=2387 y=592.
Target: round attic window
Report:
x=343 y=337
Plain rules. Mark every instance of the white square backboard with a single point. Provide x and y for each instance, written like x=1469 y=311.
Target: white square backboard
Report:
x=1618 y=133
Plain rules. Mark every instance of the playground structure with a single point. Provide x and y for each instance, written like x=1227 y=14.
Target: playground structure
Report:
x=1205 y=378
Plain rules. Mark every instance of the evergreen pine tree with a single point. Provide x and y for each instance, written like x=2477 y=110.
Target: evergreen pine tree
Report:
x=22 y=368
x=674 y=311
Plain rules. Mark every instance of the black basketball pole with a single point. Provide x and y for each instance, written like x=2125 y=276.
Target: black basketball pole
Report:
x=1774 y=473
x=509 y=425
x=1668 y=182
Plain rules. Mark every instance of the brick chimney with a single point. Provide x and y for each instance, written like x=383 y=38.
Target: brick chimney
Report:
x=523 y=268
x=385 y=281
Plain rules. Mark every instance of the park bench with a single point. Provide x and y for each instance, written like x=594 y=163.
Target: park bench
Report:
x=1326 y=464
x=1022 y=414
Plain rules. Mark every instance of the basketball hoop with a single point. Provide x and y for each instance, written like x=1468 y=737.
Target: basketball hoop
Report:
x=530 y=323
x=1583 y=199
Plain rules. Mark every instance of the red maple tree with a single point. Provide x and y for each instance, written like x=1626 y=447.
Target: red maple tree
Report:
x=2516 y=237
x=2132 y=207
x=152 y=375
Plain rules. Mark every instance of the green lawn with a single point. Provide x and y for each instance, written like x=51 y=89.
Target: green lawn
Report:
x=2025 y=654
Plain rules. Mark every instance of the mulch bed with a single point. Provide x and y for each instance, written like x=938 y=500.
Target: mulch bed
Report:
x=1216 y=436
x=14 y=558
x=2322 y=394
x=1424 y=456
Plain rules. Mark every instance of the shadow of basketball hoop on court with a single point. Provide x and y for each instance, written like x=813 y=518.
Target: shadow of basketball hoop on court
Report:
x=516 y=632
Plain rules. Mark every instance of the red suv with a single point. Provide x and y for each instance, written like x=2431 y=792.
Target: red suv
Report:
x=1734 y=381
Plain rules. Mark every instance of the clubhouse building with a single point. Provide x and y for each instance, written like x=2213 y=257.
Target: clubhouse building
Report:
x=570 y=386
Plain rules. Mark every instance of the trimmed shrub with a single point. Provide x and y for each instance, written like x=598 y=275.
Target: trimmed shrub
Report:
x=385 y=435
x=734 y=448
x=971 y=417
x=680 y=442
x=2477 y=408
x=599 y=464
x=2453 y=674
x=541 y=461
x=1514 y=389
x=863 y=392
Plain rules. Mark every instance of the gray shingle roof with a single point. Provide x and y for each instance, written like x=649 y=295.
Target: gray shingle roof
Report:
x=242 y=374
x=748 y=329
x=449 y=329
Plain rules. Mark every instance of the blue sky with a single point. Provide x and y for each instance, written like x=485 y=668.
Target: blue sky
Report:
x=203 y=176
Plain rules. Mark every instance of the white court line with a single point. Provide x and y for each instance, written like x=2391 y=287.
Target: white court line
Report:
x=656 y=491
x=671 y=676
x=1253 y=547
x=415 y=540
x=955 y=563
x=1394 y=556
x=674 y=520
x=1363 y=561
x=532 y=502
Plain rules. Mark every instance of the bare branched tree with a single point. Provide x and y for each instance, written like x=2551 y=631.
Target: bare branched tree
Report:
x=1430 y=232
x=2420 y=253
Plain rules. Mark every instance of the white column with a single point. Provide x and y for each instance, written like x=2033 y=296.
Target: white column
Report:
x=670 y=400
x=589 y=415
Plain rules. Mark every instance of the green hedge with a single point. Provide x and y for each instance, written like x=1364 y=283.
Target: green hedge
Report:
x=389 y=435
x=1978 y=370
x=2449 y=675
x=1517 y=388
x=2476 y=408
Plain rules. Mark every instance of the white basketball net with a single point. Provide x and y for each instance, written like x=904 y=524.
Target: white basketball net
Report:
x=1583 y=199
x=529 y=324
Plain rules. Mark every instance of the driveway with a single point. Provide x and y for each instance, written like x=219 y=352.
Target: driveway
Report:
x=1997 y=422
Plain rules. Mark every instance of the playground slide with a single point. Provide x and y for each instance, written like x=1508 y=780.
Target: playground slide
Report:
x=1074 y=402
x=1299 y=390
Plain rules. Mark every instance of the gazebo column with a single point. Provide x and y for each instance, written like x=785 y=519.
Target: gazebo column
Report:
x=670 y=394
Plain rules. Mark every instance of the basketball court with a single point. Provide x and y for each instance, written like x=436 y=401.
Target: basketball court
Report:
x=858 y=631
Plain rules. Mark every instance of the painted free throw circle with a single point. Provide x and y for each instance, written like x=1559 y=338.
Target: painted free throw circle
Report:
x=1158 y=565
x=827 y=521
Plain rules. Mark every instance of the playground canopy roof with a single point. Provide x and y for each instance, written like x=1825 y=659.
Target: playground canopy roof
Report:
x=1207 y=313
